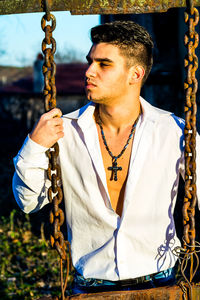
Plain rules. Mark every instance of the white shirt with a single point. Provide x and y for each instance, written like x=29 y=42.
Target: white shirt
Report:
x=104 y=245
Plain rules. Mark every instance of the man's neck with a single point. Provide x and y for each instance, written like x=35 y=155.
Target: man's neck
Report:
x=118 y=117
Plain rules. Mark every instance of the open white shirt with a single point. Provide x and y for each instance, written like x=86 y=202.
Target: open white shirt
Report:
x=104 y=245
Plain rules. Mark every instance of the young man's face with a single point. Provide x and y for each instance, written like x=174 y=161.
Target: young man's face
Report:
x=107 y=74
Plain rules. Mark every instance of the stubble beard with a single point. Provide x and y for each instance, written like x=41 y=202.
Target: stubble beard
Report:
x=95 y=99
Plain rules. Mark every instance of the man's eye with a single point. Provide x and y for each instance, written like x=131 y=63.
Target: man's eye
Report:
x=104 y=65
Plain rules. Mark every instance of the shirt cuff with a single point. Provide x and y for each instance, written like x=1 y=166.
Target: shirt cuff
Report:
x=31 y=148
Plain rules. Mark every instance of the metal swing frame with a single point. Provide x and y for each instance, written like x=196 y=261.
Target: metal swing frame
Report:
x=188 y=252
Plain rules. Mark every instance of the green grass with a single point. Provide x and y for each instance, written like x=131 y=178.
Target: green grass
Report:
x=29 y=268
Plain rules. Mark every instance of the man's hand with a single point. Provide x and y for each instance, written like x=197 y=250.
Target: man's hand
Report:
x=49 y=129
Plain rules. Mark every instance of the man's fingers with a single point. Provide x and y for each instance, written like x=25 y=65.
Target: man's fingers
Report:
x=60 y=134
x=59 y=128
x=56 y=121
x=49 y=128
x=54 y=113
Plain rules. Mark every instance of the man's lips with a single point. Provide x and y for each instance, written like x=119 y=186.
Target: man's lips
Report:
x=90 y=84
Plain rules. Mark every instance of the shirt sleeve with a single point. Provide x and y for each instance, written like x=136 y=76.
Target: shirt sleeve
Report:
x=30 y=184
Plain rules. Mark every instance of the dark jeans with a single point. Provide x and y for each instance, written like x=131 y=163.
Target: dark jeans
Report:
x=91 y=285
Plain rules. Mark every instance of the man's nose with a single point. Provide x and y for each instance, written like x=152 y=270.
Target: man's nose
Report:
x=91 y=71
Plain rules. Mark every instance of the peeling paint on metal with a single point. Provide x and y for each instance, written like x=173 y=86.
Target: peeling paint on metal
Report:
x=140 y=3
x=104 y=3
x=88 y=3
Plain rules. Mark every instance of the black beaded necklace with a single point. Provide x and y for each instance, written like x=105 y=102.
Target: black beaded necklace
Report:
x=115 y=167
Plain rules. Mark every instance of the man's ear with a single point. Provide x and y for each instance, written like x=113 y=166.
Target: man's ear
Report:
x=137 y=73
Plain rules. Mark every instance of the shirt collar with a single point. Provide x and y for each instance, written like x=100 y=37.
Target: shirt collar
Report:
x=151 y=112
x=85 y=113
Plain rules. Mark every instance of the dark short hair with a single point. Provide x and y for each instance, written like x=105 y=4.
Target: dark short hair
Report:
x=133 y=40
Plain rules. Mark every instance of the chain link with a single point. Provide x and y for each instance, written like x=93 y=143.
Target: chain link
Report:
x=49 y=67
x=190 y=85
x=55 y=194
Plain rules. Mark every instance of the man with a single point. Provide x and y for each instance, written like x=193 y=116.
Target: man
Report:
x=120 y=159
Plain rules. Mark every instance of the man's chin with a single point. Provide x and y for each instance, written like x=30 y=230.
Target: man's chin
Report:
x=98 y=101
x=93 y=99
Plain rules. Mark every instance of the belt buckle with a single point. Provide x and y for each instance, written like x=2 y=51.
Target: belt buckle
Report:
x=135 y=281
x=144 y=279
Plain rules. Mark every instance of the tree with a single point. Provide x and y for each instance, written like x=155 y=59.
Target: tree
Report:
x=69 y=55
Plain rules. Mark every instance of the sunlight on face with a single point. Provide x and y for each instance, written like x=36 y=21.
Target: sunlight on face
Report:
x=107 y=73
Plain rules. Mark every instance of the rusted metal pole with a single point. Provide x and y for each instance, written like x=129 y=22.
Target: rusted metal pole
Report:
x=78 y=7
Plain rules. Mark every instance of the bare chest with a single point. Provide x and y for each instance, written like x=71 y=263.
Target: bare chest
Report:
x=116 y=188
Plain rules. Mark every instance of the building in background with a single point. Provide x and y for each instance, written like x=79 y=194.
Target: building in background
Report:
x=21 y=99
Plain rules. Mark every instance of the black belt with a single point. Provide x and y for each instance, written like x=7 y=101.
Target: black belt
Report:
x=142 y=280
x=92 y=283
x=134 y=281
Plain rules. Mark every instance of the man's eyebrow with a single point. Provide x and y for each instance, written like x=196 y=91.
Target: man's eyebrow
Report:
x=99 y=59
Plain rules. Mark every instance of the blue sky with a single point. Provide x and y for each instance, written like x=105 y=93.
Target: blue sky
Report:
x=21 y=36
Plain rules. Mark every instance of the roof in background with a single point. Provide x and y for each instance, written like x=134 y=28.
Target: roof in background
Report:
x=69 y=79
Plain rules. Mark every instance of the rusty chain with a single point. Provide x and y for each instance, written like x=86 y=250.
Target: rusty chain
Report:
x=188 y=253
x=191 y=41
x=55 y=194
